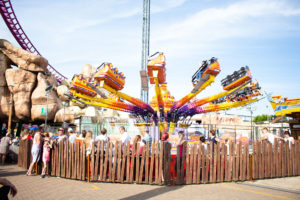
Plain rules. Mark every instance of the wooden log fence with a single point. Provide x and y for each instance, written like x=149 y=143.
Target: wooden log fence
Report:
x=153 y=164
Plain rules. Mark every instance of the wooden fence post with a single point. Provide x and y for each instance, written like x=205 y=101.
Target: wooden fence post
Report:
x=97 y=160
x=211 y=163
x=203 y=157
x=106 y=155
x=281 y=161
x=119 y=166
x=142 y=166
x=110 y=162
x=115 y=161
x=102 y=160
x=137 y=162
x=148 y=148
x=195 y=152
x=156 y=162
x=199 y=166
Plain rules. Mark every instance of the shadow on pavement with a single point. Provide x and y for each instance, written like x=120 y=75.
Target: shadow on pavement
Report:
x=7 y=172
x=152 y=193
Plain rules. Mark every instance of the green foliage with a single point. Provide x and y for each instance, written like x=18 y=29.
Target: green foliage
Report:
x=263 y=117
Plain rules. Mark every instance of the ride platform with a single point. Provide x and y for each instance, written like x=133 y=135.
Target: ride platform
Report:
x=110 y=75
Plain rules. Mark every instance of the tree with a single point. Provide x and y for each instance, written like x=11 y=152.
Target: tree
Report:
x=263 y=117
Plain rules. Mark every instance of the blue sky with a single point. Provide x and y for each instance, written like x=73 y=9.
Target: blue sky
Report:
x=263 y=34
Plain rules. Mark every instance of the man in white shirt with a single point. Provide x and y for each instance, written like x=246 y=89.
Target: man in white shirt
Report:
x=270 y=137
x=124 y=135
x=72 y=136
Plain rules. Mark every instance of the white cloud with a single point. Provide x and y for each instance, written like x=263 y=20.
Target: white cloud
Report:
x=160 y=6
x=242 y=19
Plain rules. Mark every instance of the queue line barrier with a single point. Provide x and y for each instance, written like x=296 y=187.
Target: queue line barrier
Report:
x=197 y=164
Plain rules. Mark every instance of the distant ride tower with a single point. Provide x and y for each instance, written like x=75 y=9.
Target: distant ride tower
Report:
x=145 y=51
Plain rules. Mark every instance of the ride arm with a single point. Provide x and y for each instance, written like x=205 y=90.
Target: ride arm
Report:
x=205 y=81
x=211 y=98
x=128 y=98
x=109 y=104
x=218 y=107
x=160 y=102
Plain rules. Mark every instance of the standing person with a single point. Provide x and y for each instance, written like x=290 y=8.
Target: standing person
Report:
x=88 y=141
x=138 y=139
x=202 y=139
x=103 y=137
x=124 y=135
x=3 y=131
x=83 y=134
x=30 y=134
x=270 y=137
x=4 y=147
x=46 y=154
x=147 y=138
x=181 y=141
x=288 y=138
x=35 y=150
x=213 y=138
x=62 y=136
x=72 y=136
x=24 y=134
x=165 y=136
x=7 y=186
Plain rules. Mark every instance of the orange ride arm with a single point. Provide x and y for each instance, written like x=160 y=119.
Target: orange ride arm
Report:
x=107 y=103
x=128 y=98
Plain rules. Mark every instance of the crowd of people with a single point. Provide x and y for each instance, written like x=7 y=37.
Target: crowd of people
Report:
x=42 y=143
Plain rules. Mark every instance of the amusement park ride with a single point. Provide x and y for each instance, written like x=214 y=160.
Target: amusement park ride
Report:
x=163 y=111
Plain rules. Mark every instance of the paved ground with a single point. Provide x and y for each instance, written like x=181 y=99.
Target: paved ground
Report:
x=58 y=188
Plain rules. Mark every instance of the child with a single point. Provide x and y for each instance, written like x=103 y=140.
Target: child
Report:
x=46 y=154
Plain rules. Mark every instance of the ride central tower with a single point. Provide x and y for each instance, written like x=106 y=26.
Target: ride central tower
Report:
x=145 y=51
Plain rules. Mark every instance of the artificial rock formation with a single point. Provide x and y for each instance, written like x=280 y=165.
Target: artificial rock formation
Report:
x=67 y=115
x=88 y=71
x=4 y=92
x=4 y=102
x=23 y=83
x=4 y=65
x=23 y=59
x=39 y=99
x=61 y=90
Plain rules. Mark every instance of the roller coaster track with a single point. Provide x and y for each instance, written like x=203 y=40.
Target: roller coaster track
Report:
x=15 y=28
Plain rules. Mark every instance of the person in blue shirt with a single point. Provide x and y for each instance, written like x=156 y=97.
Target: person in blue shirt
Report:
x=147 y=138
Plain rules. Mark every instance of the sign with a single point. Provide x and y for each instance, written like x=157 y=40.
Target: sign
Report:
x=43 y=111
